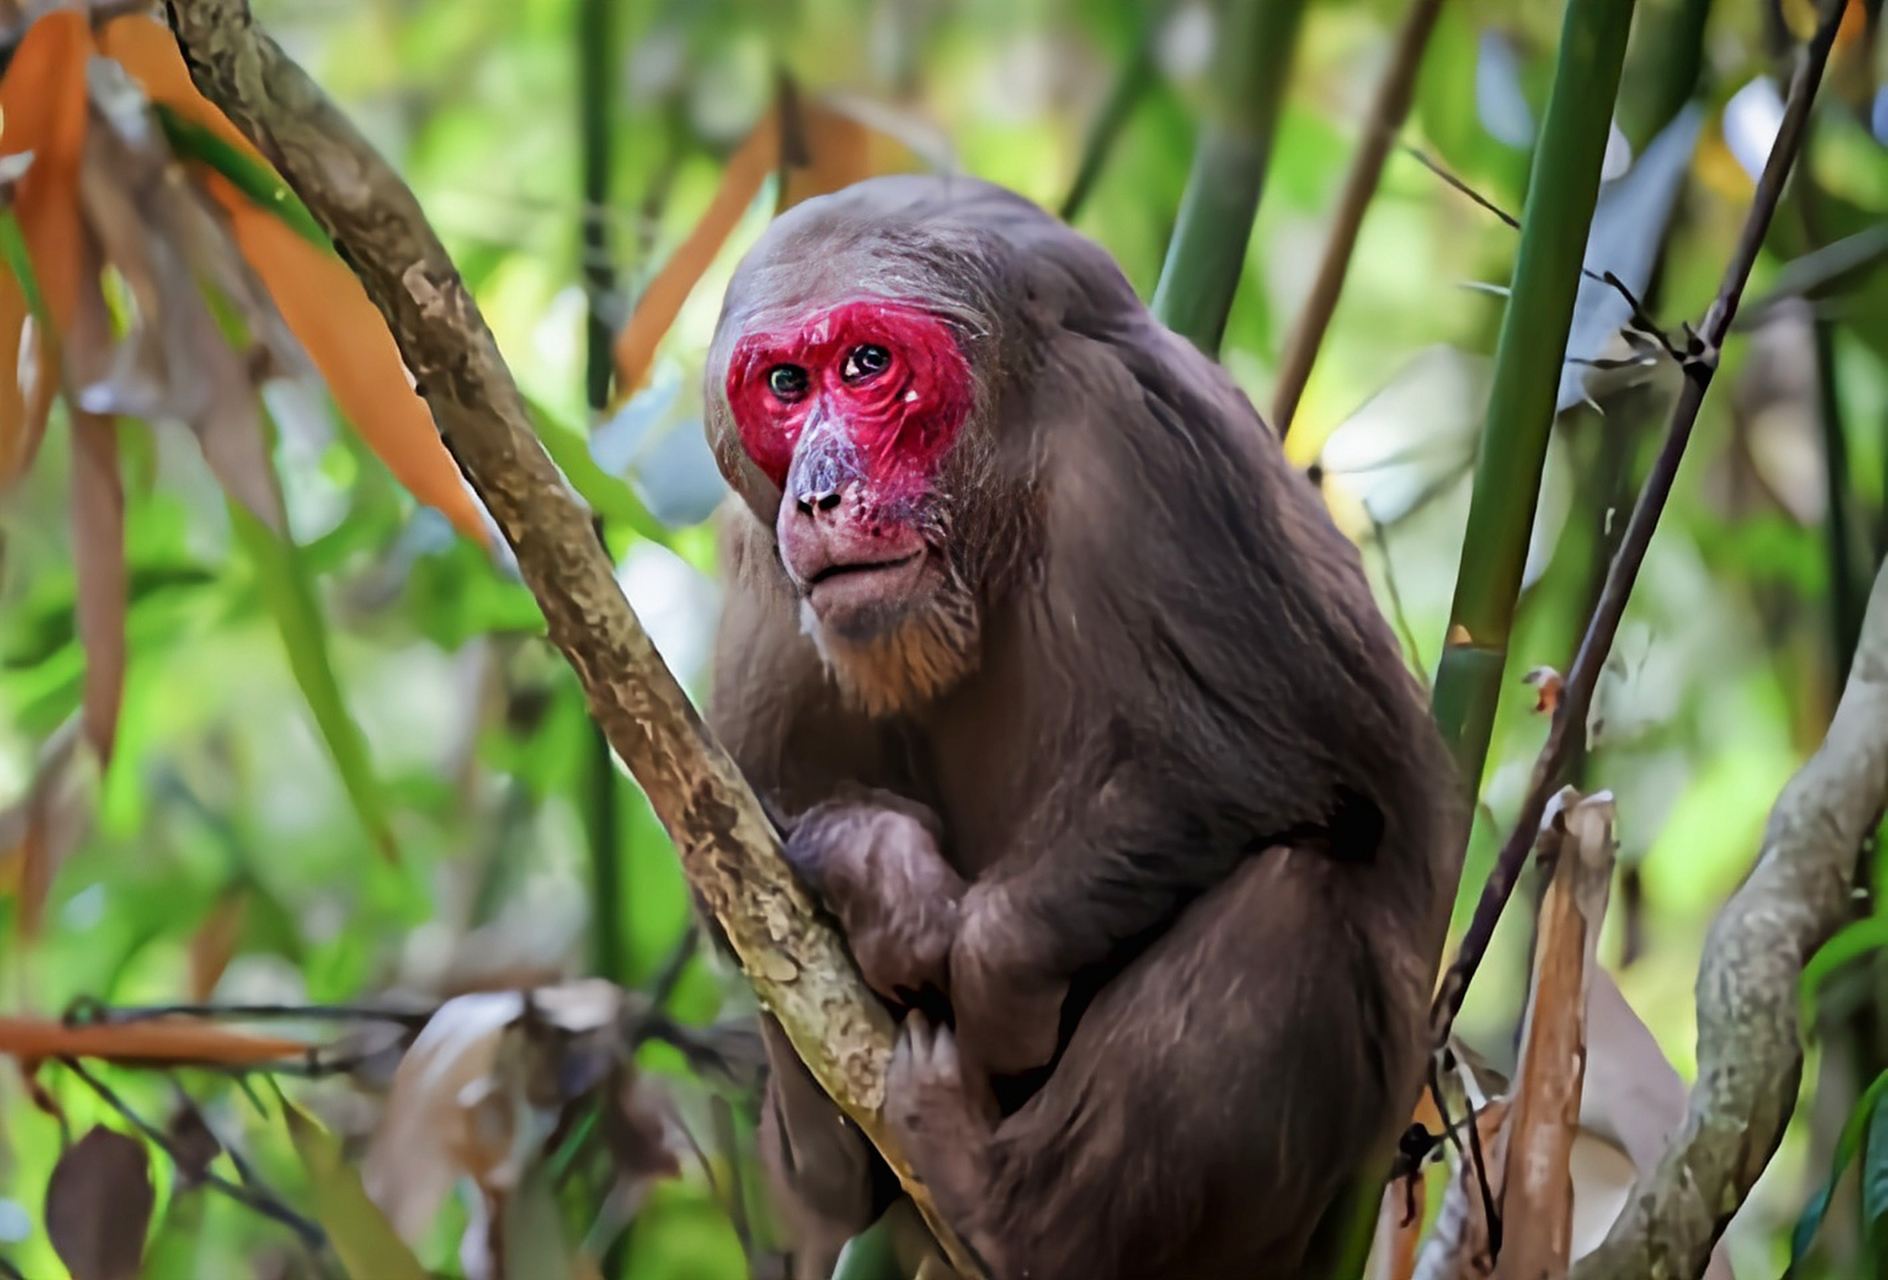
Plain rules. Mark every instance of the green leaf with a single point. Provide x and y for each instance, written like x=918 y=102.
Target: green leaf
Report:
x=1875 y=1187
x=13 y=251
x=1859 y=1122
x=1851 y=943
x=362 y=1237
x=869 y=1255
x=290 y=597
x=254 y=179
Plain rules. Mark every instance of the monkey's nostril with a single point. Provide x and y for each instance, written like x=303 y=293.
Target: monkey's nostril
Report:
x=827 y=501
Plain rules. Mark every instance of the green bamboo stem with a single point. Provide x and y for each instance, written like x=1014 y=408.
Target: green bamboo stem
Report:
x=1208 y=248
x=1562 y=189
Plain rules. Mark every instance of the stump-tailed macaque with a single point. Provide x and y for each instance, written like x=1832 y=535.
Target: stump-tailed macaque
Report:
x=1086 y=727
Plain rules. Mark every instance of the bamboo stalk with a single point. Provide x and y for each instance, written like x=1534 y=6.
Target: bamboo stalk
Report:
x=1562 y=189
x=1208 y=250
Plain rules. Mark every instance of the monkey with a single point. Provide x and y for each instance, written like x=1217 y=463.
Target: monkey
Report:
x=1085 y=726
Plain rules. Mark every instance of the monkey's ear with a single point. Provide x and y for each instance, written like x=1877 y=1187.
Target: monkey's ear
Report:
x=746 y=479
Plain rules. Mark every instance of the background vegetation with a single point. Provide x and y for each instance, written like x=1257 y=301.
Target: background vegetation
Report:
x=345 y=769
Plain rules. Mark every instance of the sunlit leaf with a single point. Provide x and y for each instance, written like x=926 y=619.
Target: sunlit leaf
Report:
x=150 y=1043
x=43 y=106
x=290 y=596
x=98 y=551
x=361 y=1236
x=244 y=170
x=98 y=1205
x=605 y=494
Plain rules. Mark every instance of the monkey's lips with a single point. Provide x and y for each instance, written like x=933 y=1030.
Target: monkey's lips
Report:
x=853 y=584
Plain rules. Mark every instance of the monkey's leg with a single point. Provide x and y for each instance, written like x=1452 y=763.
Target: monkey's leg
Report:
x=873 y=858
x=944 y=1116
x=1220 y=1093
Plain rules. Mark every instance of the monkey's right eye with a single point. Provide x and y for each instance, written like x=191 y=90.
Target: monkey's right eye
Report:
x=787 y=381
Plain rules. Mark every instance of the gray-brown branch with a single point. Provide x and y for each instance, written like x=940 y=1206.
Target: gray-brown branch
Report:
x=799 y=967
x=1750 y=1053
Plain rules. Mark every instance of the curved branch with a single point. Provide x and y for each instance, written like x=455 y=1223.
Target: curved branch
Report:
x=1750 y=1055
x=799 y=967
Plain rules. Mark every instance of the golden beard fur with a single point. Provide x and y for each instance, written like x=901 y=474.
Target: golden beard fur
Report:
x=901 y=669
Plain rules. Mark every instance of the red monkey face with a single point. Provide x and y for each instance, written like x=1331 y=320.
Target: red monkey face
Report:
x=850 y=410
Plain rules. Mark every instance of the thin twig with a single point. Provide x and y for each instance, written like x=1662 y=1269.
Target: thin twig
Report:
x=1576 y=696
x=1385 y=119
x=252 y=1197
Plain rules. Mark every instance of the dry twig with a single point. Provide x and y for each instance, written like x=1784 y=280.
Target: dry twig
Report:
x=799 y=966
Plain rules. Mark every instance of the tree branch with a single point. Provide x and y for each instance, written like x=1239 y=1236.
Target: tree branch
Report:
x=799 y=967
x=1750 y=1056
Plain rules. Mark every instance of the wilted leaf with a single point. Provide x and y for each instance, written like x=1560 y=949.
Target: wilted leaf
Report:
x=425 y=1136
x=98 y=552
x=98 y=1206
x=285 y=587
x=176 y=362
x=45 y=825
x=1458 y=1243
x=43 y=110
x=827 y=145
x=151 y=1043
x=193 y=1147
x=362 y=1237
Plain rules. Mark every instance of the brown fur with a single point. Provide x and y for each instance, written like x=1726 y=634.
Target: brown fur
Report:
x=1150 y=799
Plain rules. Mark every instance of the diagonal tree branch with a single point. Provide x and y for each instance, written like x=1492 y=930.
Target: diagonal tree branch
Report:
x=799 y=967
x=1750 y=1055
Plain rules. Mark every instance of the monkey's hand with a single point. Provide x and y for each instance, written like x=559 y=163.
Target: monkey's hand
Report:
x=1006 y=999
x=872 y=858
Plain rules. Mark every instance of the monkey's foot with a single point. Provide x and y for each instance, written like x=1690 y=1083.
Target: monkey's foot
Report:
x=943 y=1118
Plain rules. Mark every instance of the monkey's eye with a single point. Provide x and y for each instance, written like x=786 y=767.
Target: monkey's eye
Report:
x=863 y=362
x=787 y=381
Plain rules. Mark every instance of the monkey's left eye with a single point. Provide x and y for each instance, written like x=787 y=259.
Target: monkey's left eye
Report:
x=787 y=381
x=863 y=362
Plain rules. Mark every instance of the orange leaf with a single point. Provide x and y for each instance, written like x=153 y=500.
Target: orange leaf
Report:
x=347 y=338
x=42 y=98
x=319 y=298
x=153 y=1042
x=12 y=395
x=98 y=544
x=662 y=301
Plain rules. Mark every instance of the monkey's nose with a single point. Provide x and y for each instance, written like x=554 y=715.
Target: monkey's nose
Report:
x=823 y=500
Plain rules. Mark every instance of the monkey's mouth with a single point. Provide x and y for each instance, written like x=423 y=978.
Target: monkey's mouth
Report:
x=832 y=571
x=851 y=593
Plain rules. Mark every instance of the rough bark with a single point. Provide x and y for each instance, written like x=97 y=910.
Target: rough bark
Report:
x=799 y=967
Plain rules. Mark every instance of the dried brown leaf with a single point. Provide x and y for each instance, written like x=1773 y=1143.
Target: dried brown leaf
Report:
x=42 y=101
x=193 y=1145
x=98 y=1206
x=98 y=552
x=1545 y=1115
x=46 y=825
x=1457 y=1247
